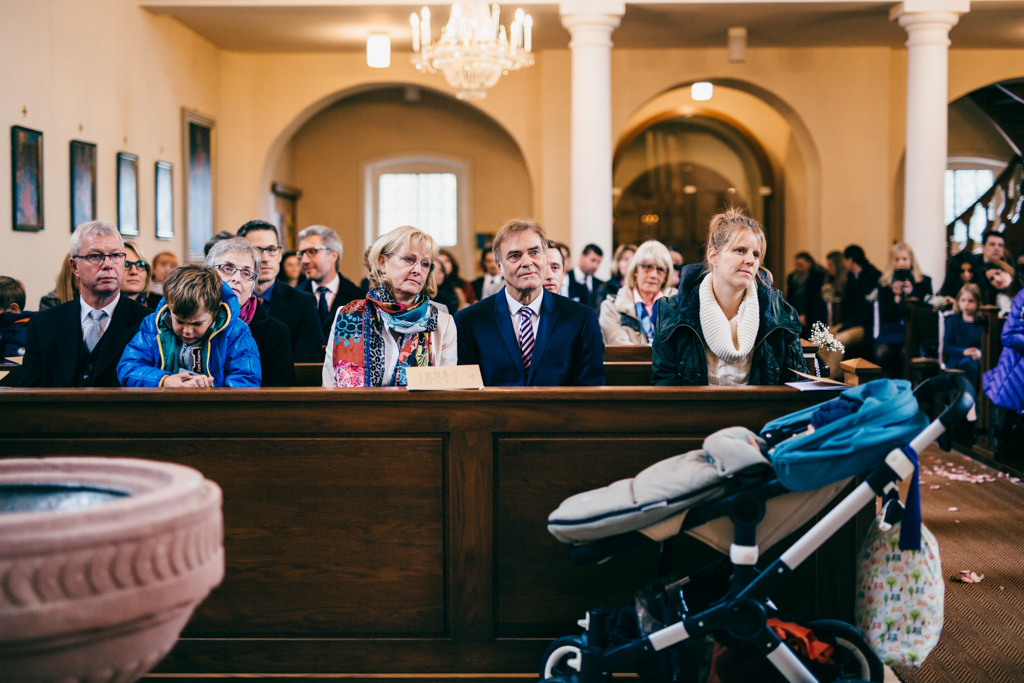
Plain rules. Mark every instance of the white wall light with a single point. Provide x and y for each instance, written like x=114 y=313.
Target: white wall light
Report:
x=378 y=51
x=701 y=91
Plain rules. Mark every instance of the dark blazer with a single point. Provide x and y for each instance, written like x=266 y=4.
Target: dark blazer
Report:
x=347 y=293
x=275 y=346
x=55 y=338
x=297 y=310
x=808 y=301
x=578 y=291
x=569 y=349
x=857 y=310
x=478 y=287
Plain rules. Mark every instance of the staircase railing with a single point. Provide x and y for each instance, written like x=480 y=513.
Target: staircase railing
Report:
x=1003 y=204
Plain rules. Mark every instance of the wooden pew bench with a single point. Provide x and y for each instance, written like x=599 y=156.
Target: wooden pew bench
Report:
x=381 y=531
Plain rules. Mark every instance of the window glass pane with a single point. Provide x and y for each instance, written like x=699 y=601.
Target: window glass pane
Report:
x=963 y=187
x=428 y=201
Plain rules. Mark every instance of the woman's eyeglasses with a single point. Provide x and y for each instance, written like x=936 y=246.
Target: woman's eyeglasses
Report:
x=141 y=265
x=231 y=270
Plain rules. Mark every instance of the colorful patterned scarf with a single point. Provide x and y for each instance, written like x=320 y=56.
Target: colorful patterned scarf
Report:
x=359 y=329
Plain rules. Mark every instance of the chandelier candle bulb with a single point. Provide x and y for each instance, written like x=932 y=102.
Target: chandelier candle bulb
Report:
x=425 y=27
x=414 y=19
x=528 y=35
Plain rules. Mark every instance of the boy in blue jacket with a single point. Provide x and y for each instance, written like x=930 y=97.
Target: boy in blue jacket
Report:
x=194 y=340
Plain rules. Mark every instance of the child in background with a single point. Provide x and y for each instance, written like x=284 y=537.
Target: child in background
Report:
x=962 y=341
x=13 y=318
x=195 y=339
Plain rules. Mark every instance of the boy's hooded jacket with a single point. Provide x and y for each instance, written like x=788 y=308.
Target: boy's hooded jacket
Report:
x=1004 y=384
x=679 y=340
x=229 y=354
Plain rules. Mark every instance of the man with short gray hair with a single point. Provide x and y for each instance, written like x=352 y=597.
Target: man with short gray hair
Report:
x=320 y=251
x=78 y=344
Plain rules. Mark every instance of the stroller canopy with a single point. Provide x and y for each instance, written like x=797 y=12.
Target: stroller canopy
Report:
x=852 y=433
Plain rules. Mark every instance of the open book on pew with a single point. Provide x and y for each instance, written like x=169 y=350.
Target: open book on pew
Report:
x=440 y=378
x=816 y=383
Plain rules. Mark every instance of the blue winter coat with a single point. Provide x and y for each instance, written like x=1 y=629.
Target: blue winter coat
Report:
x=1004 y=384
x=230 y=355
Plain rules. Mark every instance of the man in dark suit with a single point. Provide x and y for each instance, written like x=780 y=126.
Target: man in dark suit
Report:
x=297 y=310
x=525 y=335
x=320 y=250
x=583 y=286
x=78 y=344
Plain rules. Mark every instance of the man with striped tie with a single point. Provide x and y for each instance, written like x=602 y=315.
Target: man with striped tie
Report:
x=525 y=335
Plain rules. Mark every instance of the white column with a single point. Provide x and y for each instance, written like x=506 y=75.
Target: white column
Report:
x=590 y=23
x=927 y=23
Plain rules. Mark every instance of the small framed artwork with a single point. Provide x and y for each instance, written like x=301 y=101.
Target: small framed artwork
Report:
x=199 y=139
x=27 y=178
x=83 y=183
x=128 y=194
x=164 y=201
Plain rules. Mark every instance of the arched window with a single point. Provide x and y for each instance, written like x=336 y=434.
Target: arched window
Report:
x=967 y=179
x=430 y=193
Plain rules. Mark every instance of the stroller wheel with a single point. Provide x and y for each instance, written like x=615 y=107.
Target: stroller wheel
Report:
x=561 y=659
x=859 y=662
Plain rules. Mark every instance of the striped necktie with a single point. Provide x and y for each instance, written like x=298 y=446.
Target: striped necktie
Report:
x=526 y=335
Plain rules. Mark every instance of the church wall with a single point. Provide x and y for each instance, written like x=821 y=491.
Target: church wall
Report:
x=328 y=157
x=103 y=72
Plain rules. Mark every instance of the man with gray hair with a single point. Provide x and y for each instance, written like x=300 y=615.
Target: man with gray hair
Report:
x=320 y=250
x=78 y=344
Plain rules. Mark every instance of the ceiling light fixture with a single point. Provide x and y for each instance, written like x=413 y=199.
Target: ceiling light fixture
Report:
x=378 y=51
x=474 y=50
x=702 y=91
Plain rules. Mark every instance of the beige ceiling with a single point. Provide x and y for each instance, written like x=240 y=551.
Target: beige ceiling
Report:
x=266 y=26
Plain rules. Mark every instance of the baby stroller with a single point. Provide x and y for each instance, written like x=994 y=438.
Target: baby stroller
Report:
x=741 y=494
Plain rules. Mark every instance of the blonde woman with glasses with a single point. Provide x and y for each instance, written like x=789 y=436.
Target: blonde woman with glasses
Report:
x=630 y=317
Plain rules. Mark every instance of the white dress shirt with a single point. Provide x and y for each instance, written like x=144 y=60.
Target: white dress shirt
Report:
x=513 y=309
x=492 y=285
x=332 y=287
x=109 y=309
x=588 y=280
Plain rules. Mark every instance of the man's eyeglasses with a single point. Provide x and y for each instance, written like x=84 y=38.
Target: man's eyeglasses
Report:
x=141 y=265
x=97 y=259
x=311 y=251
x=231 y=270
x=273 y=251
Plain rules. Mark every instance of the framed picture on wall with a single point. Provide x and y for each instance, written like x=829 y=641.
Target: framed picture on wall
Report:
x=198 y=133
x=164 y=201
x=83 y=183
x=128 y=194
x=27 y=178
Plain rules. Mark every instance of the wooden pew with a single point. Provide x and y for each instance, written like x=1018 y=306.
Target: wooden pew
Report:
x=991 y=347
x=921 y=351
x=381 y=531
x=628 y=354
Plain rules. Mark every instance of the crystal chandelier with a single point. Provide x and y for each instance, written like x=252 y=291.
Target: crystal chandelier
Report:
x=474 y=51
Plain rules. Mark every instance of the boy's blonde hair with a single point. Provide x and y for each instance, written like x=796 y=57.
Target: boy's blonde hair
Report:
x=191 y=288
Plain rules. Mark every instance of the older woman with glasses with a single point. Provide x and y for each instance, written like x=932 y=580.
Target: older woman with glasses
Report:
x=631 y=316
x=373 y=341
x=137 y=276
x=238 y=264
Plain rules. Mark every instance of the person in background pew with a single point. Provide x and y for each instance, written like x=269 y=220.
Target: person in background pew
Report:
x=835 y=283
x=631 y=316
x=490 y=282
x=677 y=265
x=448 y=295
x=555 y=270
x=620 y=264
x=584 y=286
x=14 y=318
x=1004 y=384
x=525 y=335
x=993 y=248
x=163 y=264
x=447 y=260
x=66 y=289
x=137 y=277
x=901 y=281
x=321 y=250
x=959 y=273
x=237 y=262
x=727 y=326
x=290 y=272
x=961 y=342
x=374 y=340
x=804 y=290
x=78 y=344
x=1003 y=285
x=858 y=309
x=297 y=310
x=194 y=340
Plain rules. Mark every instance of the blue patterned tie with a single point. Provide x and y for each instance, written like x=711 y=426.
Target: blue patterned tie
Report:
x=526 y=336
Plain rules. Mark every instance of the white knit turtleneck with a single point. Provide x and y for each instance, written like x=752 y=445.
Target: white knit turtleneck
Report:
x=730 y=343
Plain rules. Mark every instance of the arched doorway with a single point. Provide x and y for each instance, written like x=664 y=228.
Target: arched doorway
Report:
x=675 y=171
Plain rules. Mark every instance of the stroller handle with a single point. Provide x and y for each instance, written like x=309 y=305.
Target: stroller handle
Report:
x=959 y=407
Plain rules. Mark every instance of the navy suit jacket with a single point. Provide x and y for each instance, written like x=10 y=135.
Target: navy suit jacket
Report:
x=569 y=349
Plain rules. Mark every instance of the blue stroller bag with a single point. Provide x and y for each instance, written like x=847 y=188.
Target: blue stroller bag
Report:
x=852 y=434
